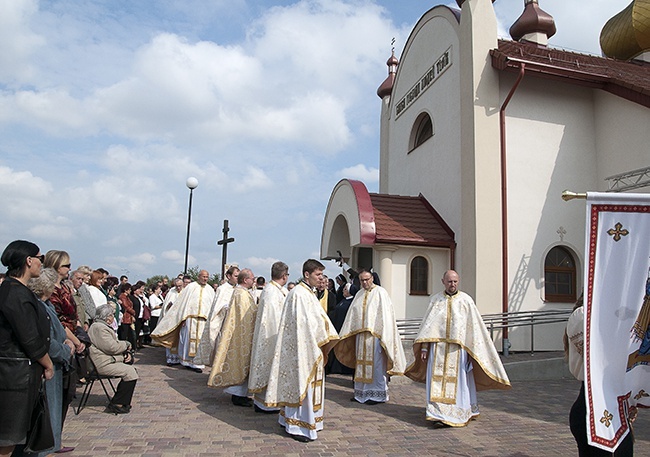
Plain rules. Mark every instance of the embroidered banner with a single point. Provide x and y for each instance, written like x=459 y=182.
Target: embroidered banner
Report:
x=617 y=312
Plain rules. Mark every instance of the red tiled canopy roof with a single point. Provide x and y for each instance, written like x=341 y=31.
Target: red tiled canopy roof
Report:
x=629 y=80
x=410 y=221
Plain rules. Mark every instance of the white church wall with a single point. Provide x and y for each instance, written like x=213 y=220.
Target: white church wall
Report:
x=623 y=137
x=551 y=134
x=433 y=168
x=340 y=229
x=414 y=306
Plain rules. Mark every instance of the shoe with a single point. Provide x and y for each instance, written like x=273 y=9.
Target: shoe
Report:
x=63 y=450
x=197 y=370
x=265 y=411
x=116 y=409
x=371 y=402
x=438 y=424
x=302 y=439
x=241 y=401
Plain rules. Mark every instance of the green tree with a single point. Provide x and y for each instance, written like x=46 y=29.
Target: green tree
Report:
x=154 y=279
x=193 y=272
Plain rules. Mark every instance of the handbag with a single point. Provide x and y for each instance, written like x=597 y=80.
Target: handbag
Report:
x=40 y=436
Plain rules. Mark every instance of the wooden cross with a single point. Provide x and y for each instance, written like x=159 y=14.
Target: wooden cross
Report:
x=224 y=251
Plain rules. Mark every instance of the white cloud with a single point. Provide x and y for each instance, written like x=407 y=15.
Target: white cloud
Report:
x=18 y=40
x=25 y=197
x=361 y=173
x=260 y=266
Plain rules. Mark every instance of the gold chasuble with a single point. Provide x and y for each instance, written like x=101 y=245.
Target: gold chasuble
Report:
x=191 y=305
x=305 y=337
x=233 y=353
x=371 y=316
x=324 y=299
x=266 y=333
x=207 y=345
x=453 y=322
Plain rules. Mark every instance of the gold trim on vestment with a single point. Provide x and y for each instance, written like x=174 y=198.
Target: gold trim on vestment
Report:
x=300 y=423
x=504 y=382
x=452 y=424
x=444 y=377
x=364 y=366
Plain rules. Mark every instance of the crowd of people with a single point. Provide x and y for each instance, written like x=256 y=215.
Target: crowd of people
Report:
x=56 y=324
x=268 y=344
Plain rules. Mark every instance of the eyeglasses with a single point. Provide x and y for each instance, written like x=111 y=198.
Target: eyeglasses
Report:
x=39 y=257
x=67 y=265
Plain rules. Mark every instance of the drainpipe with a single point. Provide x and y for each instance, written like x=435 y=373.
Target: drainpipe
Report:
x=504 y=209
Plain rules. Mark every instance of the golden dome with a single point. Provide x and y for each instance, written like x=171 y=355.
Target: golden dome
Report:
x=627 y=34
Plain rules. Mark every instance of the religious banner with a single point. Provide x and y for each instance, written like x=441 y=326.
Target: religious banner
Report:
x=617 y=314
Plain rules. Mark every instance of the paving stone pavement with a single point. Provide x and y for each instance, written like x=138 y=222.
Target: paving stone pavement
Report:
x=176 y=414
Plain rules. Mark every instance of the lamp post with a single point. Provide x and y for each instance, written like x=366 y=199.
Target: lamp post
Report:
x=191 y=183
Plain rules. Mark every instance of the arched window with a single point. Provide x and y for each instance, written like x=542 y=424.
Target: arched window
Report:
x=419 y=276
x=422 y=131
x=560 y=276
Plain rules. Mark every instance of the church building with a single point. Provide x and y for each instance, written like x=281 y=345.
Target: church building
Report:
x=480 y=136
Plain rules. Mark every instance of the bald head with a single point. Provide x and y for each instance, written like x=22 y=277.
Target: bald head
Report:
x=246 y=278
x=203 y=277
x=450 y=280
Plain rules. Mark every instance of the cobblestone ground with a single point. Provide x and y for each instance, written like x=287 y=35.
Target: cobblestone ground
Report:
x=176 y=414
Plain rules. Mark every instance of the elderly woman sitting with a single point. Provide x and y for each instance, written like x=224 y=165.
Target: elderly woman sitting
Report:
x=109 y=356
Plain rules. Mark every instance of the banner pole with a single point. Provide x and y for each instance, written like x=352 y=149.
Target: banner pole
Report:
x=568 y=195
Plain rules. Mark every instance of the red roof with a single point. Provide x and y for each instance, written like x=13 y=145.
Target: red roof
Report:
x=629 y=80
x=409 y=221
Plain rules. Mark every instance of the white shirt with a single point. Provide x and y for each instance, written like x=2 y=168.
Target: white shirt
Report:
x=575 y=332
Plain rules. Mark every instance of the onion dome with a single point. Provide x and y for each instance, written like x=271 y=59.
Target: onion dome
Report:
x=627 y=35
x=460 y=2
x=386 y=87
x=534 y=25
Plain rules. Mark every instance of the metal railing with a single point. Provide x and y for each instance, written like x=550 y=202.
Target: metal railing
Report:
x=408 y=328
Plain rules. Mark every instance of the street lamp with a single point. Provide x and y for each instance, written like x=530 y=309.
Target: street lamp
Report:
x=191 y=183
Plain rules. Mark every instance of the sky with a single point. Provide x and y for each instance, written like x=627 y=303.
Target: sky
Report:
x=108 y=106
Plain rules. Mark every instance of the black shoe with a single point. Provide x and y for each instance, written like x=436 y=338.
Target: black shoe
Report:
x=371 y=402
x=197 y=370
x=439 y=424
x=116 y=409
x=241 y=401
x=265 y=411
x=302 y=439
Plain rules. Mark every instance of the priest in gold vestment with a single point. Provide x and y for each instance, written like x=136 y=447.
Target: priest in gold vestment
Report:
x=207 y=345
x=455 y=356
x=233 y=352
x=181 y=327
x=267 y=325
x=370 y=342
x=305 y=337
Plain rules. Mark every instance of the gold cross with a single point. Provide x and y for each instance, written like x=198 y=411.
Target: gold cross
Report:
x=642 y=393
x=606 y=419
x=620 y=231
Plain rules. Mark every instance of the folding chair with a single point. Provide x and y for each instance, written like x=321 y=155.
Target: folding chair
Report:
x=91 y=377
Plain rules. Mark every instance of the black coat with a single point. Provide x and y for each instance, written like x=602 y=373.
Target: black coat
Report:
x=137 y=305
x=24 y=338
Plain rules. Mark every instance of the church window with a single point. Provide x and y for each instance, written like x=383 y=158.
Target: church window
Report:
x=422 y=131
x=419 y=276
x=559 y=276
